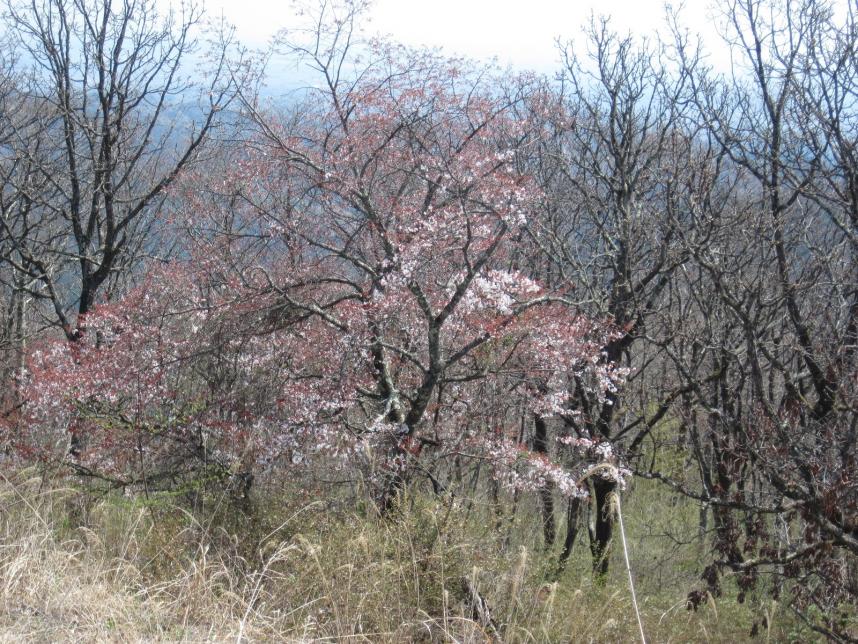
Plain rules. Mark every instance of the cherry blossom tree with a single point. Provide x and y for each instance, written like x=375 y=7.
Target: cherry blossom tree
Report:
x=405 y=203
x=350 y=297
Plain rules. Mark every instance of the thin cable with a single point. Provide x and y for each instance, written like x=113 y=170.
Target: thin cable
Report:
x=629 y=570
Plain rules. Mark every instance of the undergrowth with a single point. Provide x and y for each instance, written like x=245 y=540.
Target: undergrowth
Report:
x=288 y=568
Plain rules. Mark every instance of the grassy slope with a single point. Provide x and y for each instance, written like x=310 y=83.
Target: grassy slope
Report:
x=299 y=570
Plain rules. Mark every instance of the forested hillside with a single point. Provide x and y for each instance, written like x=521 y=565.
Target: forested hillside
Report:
x=427 y=350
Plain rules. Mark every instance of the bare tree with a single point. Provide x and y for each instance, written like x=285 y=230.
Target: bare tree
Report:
x=117 y=120
x=612 y=163
x=21 y=121
x=773 y=293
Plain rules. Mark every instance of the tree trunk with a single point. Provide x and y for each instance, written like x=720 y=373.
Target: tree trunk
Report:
x=546 y=492
x=602 y=527
x=573 y=512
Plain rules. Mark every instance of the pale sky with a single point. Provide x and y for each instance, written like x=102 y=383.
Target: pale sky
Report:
x=520 y=33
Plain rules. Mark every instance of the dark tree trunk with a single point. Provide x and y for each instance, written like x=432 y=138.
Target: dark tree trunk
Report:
x=573 y=512
x=602 y=528
x=546 y=492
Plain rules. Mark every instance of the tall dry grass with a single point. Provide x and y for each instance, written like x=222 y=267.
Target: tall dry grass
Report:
x=74 y=570
x=77 y=569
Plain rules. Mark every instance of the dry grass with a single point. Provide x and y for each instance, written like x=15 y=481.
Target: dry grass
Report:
x=125 y=572
x=117 y=570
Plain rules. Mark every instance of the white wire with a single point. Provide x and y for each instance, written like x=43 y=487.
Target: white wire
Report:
x=629 y=570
